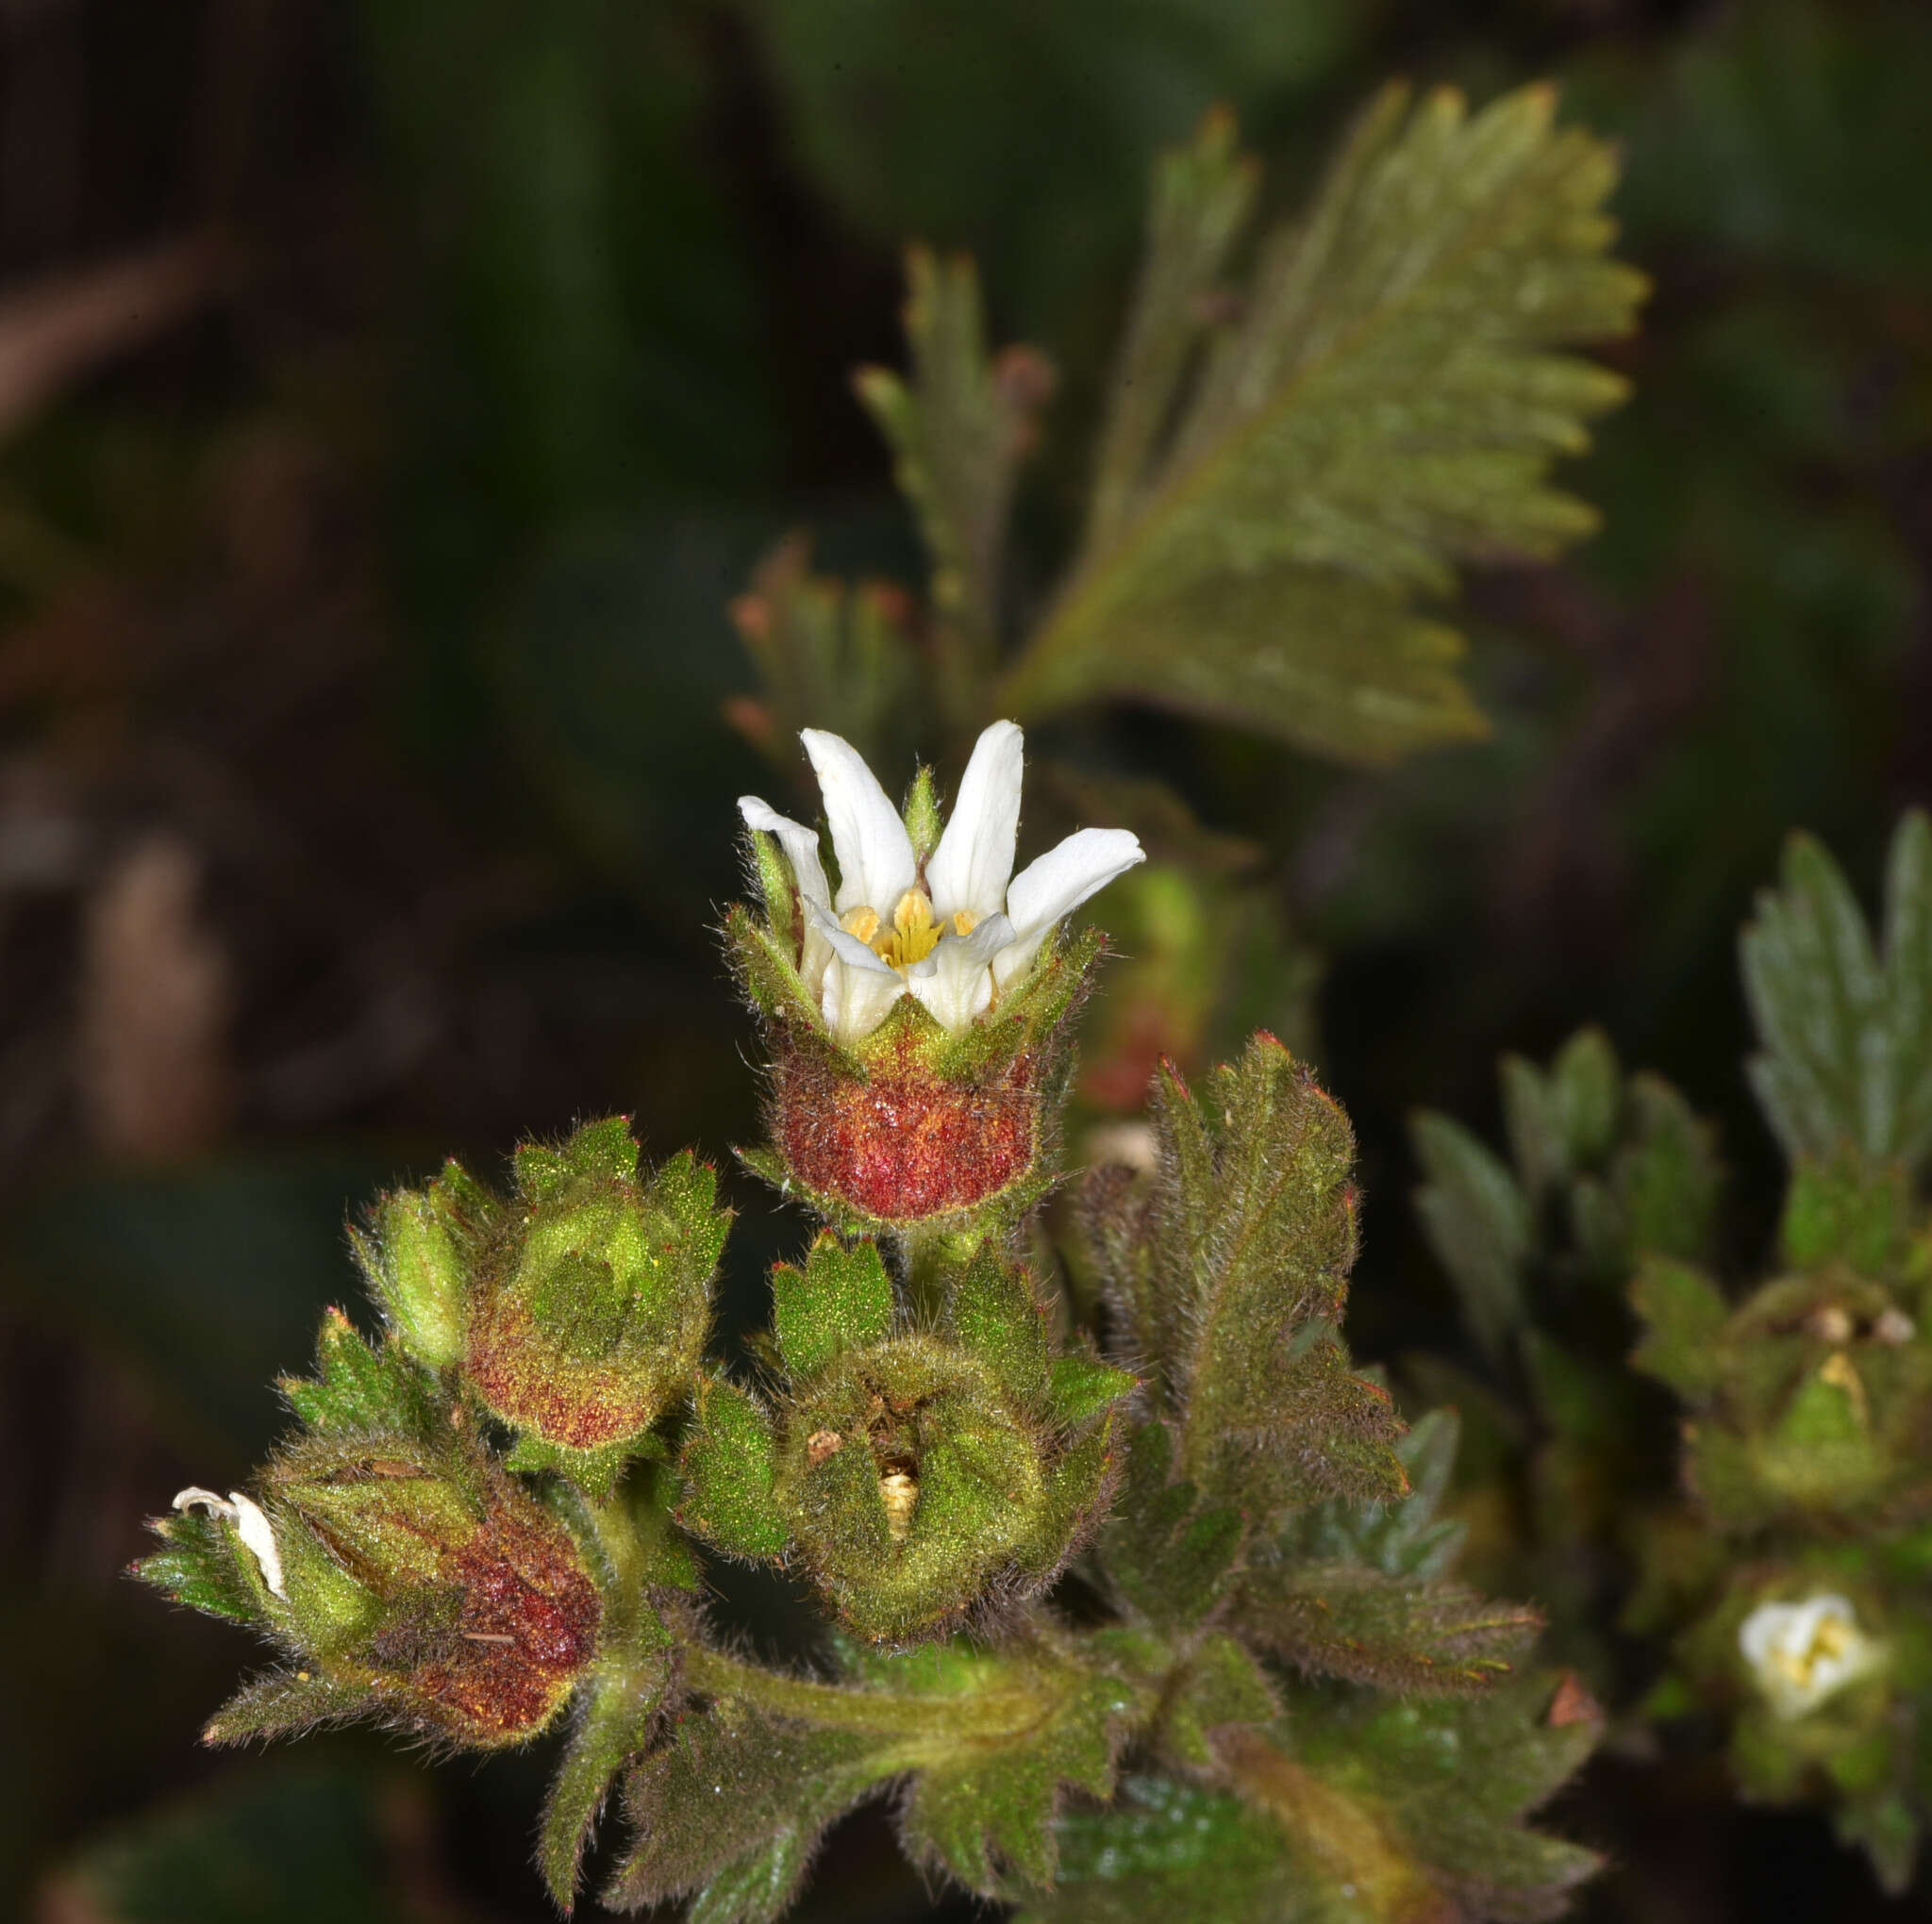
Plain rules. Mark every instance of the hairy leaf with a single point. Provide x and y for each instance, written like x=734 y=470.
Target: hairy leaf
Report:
x=1341 y=1621
x=1846 y=1033
x=1401 y=1538
x=1229 y=1282
x=1386 y=406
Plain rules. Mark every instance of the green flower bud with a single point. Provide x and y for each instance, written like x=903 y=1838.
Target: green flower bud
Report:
x=477 y=1613
x=424 y=1588
x=422 y=1249
x=594 y=1301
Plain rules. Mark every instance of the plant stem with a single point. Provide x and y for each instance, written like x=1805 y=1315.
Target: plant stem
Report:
x=1002 y=1714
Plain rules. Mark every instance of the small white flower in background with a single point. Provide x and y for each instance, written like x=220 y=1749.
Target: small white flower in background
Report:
x=250 y=1525
x=1800 y=1653
x=954 y=936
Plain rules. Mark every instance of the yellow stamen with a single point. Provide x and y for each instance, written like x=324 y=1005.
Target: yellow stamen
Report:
x=964 y=922
x=1829 y=1641
x=860 y=921
x=914 y=934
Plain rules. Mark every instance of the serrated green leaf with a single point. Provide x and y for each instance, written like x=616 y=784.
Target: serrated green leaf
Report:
x=729 y=1811
x=957 y=430
x=1177 y=1851
x=1229 y=1280
x=1167 y=1554
x=842 y=1299
x=1387 y=405
x=1401 y=1538
x=1477 y=1222
x=1667 y=1179
x=1203 y=195
x=1220 y=1684
x=1846 y=1035
x=1586 y=1089
x=1342 y=1620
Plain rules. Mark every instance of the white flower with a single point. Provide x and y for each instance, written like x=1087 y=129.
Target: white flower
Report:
x=1800 y=1653
x=954 y=936
x=250 y=1525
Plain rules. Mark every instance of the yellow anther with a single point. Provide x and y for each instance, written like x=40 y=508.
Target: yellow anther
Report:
x=860 y=921
x=914 y=934
x=964 y=922
x=1829 y=1642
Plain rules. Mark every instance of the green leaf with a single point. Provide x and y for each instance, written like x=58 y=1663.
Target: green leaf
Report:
x=1229 y=1277
x=1684 y=1316
x=728 y=1463
x=842 y=1299
x=1167 y=1556
x=615 y=1715
x=1587 y=1091
x=733 y=1805
x=1220 y=1684
x=1203 y=195
x=202 y=1567
x=975 y=1807
x=1667 y=1179
x=1846 y=1034
x=1387 y=405
x=730 y=1810
x=1342 y=1620
x=828 y=656
x=1477 y=1222
x=957 y=431
x=1177 y=1851
x=1401 y=1538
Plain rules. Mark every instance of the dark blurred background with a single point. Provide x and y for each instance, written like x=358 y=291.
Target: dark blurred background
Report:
x=392 y=398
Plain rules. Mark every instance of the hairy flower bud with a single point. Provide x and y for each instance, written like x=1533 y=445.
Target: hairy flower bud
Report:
x=594 y=1301
x=913 y=1476
x=422 y=1587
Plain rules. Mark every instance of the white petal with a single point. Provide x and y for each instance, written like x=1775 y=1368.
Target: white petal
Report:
x=974 y=859
x=959 y=986
x=875 y=865
x=857 y=1000
x=800 y=843
x=252 y=1526
x=1057 y=885
x=847 y=947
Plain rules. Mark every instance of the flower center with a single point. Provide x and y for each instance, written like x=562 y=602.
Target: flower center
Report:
x=913 y=934
x=1830 y=1641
